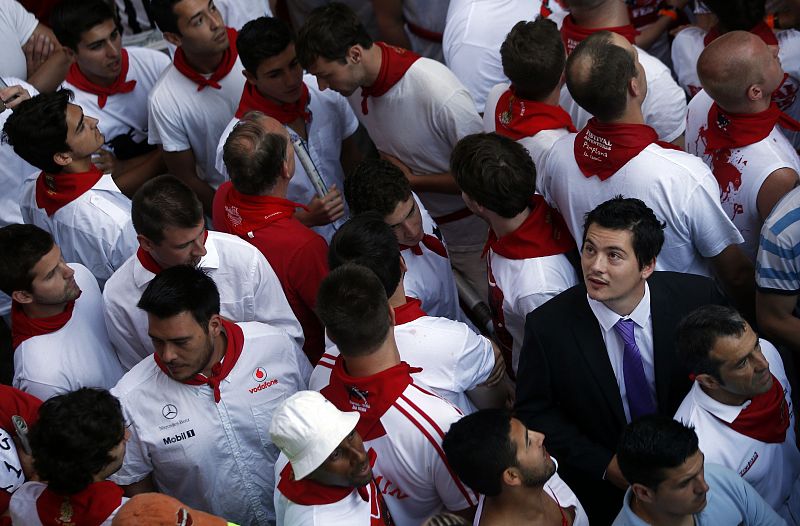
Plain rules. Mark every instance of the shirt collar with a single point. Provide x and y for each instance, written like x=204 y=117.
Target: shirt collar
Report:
x=608 y=318
x=142 y=276
x=107 y=183
x=726 y=413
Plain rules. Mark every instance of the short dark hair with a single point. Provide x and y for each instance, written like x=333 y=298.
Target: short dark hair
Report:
x=70 y=19
x=376 y=185
x=182 y=288
x=368 y=241
x=260 y=39
x=329 y=32
x=73 y=437
x=628 y=213
x=161 y=202
x=598 y=73
x=37 y=129
x=495 y=171
x=479 y=449
x=533 y=58
x=353 y=306
x=652 y=444
x=699 y=331
x=21 y=248
x=254 y=156
x=737 y=15
x=163 y=13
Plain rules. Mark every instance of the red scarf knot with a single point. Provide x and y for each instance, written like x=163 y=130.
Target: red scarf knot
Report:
x=90 y=507
x=409 y=311
x=517 y=118
x=225 y=66
x=395 y=61
x=283 y=113
x=572 y=34
x=246 y=213
x=76 y=77
x=431 y=242
x=54 y=191
x=24 y=327
x=735 y=130
x=761 y=30
x=766 y=418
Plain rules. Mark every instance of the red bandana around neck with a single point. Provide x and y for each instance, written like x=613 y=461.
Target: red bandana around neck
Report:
x=90 y=507
x=431 y=242
x=395 y=61
x=247 y=213
x=735 y=130
x=543 y=233
x=283 y=113
x=572 y=34
x=766 y=418
x=307 y=492
x=53 y=191
x=409 y=311
x=601 y=149
x=517 y=118
x=225 y=66
x=23 y=327
x=76 y=77
x=149 y=263
x=220 y=370
x=761 y=30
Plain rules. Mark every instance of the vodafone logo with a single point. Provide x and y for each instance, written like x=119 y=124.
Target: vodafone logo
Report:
x=259 y=374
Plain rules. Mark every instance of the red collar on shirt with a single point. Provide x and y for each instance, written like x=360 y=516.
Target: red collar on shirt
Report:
x=543 y=233
x=90 y=507
x=308 y=492
x=247 y=213
x=572 y=34
x=225 y=66
x=766 y=418
x=735 y=130
x=431 y=242
x=395 y=61
x=761 y=30
x=517 y=118
x=54 y=191
x=220 y=370
x=283 y=113
x=76 y=77
x=24 y=327
x=409 y=311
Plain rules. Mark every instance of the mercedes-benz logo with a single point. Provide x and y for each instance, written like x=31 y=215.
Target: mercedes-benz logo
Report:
x=169 y=411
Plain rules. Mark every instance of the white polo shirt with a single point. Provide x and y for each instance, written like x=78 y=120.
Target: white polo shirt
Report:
x=77 y=355
x=248 y=287
x=13 y=168
x=23 y=505
x=216 y=457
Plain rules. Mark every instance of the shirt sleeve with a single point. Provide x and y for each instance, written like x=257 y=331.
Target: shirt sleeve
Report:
x=18 y=18
x=475 y=363
x=121 y=330
x=664 y=107
x=348 y=120
x=271 y=305
x=777 y=263
x=164 y=122
x=458 y=118
x=709 y=227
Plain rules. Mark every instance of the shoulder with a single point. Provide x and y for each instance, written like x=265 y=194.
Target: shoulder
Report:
x=563 y=304
x=138 y=379
x=679 y=284
x=154 y=61
x=121 y=279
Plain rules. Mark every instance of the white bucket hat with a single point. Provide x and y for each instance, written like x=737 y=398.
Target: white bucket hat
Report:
x=307 y=428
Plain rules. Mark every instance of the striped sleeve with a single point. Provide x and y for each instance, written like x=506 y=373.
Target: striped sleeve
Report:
x=778 y=260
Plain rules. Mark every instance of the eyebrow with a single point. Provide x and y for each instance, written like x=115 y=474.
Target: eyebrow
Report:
x=527 y=439
x=80 y=122
x=201 y=13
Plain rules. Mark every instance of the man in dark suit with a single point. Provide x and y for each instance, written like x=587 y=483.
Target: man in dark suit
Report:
x=602 y=353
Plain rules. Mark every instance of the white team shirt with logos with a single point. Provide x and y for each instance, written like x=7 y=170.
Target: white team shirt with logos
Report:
x=23 y=505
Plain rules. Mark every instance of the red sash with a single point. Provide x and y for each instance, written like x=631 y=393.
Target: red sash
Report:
x=246 y=213
x=518 y=118
x=431 y=242
x=761 y=30
x=735 y=130
x=90 y=507
x=24 y=327
x=395 y=61
x=409 y=311
x=572 y=34
x=225 y=66
x=766 y=418
x=76 y=77
x=54 y=191
x=283 y=113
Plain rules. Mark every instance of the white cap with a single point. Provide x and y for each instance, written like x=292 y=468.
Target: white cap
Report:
x=307 y=428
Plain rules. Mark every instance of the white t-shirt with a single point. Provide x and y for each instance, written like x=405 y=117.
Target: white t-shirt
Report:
x=23 y=505
x=13 y=168
x=16 y=27
x=248 y=287
x=235 y=13
x=743 y=173
x=94 y=230
x=216 y=457
x=77 y=355
x=430 y=15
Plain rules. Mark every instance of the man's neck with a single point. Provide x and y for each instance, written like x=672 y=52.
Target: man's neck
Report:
x=517 y=506
x=502 y=226
x=98 y=81
x=372 y=60
x=220 y=346
x=654 y=517
x=280 y=189
x=204 y=63
x=398 y=298
x=38 y=310
x=631 y=115
x=385 y=357
x=611 y=13
x=78 y=166
x=725 y=397
x=551 y=99
x=748 y=107
x=625 y=305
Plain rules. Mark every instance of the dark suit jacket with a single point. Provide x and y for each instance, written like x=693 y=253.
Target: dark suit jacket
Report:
x=567 y=390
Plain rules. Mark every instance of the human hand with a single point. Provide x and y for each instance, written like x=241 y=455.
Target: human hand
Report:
x=323 y=211
x=104 y=160
x=12 y=96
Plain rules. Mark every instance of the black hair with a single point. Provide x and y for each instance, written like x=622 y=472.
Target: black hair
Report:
x=533 y=58
x=329 y=32
x=699 y=331
x=70 y=19
x=260 y=39
x=37 y=129
x=21 y=248
x=162 y=202
x=254 y=156
x=376 y=185
x=182 y=288
x=163 y=13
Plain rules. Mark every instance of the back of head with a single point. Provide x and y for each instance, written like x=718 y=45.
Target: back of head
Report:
x=735 y=15
x=494 y=171
x=328 y=33
x=163 y=14
x=353 y=306
x=73 y=437
x=21 y=248
x=260 y=39
x=179 y=289
x=71 y=18
x=699 y=331
x=533 y=58
x=376 y=185
x=253 y=155
x=37 y=129
x=727 y=67
x=162 y=202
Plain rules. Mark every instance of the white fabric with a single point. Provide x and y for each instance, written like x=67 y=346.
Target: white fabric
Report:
x=753 y=164
x=430 y=15
x=772 y=469
x=94 y=230
x=236 y=13
x=677 y=186
x=216 y=457
x=248 y=287
x=12 y=477
x=16 y=27
x=13 y=168
x=23 y=505
x=77 y=355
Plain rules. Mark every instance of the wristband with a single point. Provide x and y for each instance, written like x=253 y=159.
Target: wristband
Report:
x=670 y=12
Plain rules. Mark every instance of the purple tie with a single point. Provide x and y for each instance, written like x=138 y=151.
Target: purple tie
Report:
x=640 y=401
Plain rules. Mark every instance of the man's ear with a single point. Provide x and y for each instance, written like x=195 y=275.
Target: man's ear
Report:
x=511 y=477
x=755 y=92
x=707 y=381
x=173 y=38
x=215 y=325
x=643 y=493
x=22 y=296
x=249 y=76
x=145 y=242
x=648 y=269
x=355 y=54
x=62 y=158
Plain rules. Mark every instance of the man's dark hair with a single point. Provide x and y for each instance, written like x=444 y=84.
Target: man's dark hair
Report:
x=260 y=39
x=598 y=74
x=651 y=445
x=495 y=172
x=253 y=156
x=368 y=241
x=376 y=185
x=73 y=437
x=533 y=58
x=21 y=248
x=353 y=306
x=163 y=13
x=161 y=202
x=182 y=288
x=329 y=32
x=479 y=449
x=37 y=129
x=737 y=15
x=628 y=213
x=70 y=19
x=699 y=331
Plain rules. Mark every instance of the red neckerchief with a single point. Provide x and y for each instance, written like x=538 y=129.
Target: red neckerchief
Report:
x=766 y=418
x=120 y=85
x=220 y=370
x=409 y=311
x=308 y=492
x=518 y=118
x=225 y=66
x=430 y=241
x=24 y=327
x=370 y=395
x=90 y=507
x=602 y=149
x=543 y=233
x=246 y=213
x=283 y=113
x=395 y=61
x=151 y=264
x=735 y=130
x=761 y=30
x=54 y=191
x=572 y=34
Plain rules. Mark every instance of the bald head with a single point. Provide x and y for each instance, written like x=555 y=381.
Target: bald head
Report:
x=256 y=154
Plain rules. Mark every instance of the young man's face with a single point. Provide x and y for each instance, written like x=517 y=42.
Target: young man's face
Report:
x=683 y=491
x=279 y=77
x=348 y=465
x=182 y=344
x=83 y=136
x=53 y=281
x=180 y=246
x=338 y=76
x=744 y=371
x=202 y=30
x=99 y=54
x=533 y=461
x=406 y=222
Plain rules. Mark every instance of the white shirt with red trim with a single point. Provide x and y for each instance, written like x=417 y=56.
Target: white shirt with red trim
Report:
x=216 y=457
x=248 y=287
x=772 y=469
x=23 y=505
x=430 y=15
x=746 y=169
